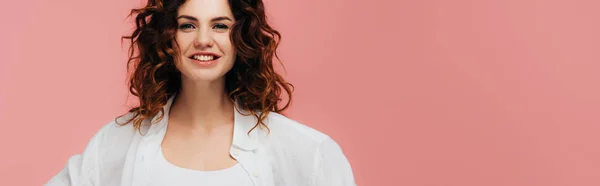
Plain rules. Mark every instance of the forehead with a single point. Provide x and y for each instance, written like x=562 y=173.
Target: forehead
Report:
x=205 y=9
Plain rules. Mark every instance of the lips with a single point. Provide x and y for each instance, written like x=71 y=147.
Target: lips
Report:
x=204 y=56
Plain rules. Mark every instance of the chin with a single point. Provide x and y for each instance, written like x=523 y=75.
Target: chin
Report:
x=204 y=77
x=215 y=73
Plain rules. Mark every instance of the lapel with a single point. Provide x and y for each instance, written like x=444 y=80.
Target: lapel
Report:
x=243 y=149
x=149 y=145
x=246 y=145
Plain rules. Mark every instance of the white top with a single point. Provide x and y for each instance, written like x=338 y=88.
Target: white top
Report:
x=172 y=175
x=292 y=154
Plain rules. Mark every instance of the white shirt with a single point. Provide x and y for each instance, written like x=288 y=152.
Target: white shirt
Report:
x=172 y=175
x=292 y=154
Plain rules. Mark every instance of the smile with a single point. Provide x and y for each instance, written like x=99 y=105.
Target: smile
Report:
x=204 y=57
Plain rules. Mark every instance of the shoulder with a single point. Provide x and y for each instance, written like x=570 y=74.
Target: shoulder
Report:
x=309 y=151
x=292 y=131
x=103 y=154
x=114 y=137
x=295 y=137
x=117 y=129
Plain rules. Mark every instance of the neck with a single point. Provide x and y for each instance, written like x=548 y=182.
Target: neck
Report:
x=202 y=105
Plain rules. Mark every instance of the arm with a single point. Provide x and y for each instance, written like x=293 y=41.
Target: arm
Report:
x=331 y=166
x=81 y=169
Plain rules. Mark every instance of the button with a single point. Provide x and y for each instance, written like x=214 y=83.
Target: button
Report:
x=255 y=174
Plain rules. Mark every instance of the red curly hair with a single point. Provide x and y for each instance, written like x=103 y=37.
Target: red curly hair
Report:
x=252 y=82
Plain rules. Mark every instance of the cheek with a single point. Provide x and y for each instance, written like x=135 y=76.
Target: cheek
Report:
x=183 y=40
x=179 y=45
x=226 y=44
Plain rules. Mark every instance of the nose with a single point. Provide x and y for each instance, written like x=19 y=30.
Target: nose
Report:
x=203 y=39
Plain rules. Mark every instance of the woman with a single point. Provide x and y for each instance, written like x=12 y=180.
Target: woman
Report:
x=208 y=113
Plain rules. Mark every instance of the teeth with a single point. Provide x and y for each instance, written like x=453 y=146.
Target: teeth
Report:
x=204 y=57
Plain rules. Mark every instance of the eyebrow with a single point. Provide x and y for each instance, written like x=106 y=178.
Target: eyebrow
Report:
x=220 y=18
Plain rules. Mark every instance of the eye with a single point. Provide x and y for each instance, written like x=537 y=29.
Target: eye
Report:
x=186 y=26
x=220 y=26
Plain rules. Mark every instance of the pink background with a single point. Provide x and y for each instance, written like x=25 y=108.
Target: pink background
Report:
x=420 y=93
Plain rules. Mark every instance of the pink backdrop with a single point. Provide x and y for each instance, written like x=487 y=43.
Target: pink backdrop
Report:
x=420 y=93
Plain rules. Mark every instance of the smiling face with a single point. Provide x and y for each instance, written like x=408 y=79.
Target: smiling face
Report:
x=206 y=52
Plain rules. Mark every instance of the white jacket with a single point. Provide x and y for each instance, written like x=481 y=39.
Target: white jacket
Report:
x=292 y=154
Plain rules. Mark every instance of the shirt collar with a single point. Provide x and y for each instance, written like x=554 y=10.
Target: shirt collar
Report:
x=244 y=121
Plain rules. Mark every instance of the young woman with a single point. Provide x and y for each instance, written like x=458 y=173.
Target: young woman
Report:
x=209 y=113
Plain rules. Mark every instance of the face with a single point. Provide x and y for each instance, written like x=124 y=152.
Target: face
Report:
x=203 y=37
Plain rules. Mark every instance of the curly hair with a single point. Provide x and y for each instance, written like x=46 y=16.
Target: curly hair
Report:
x=252 y=82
